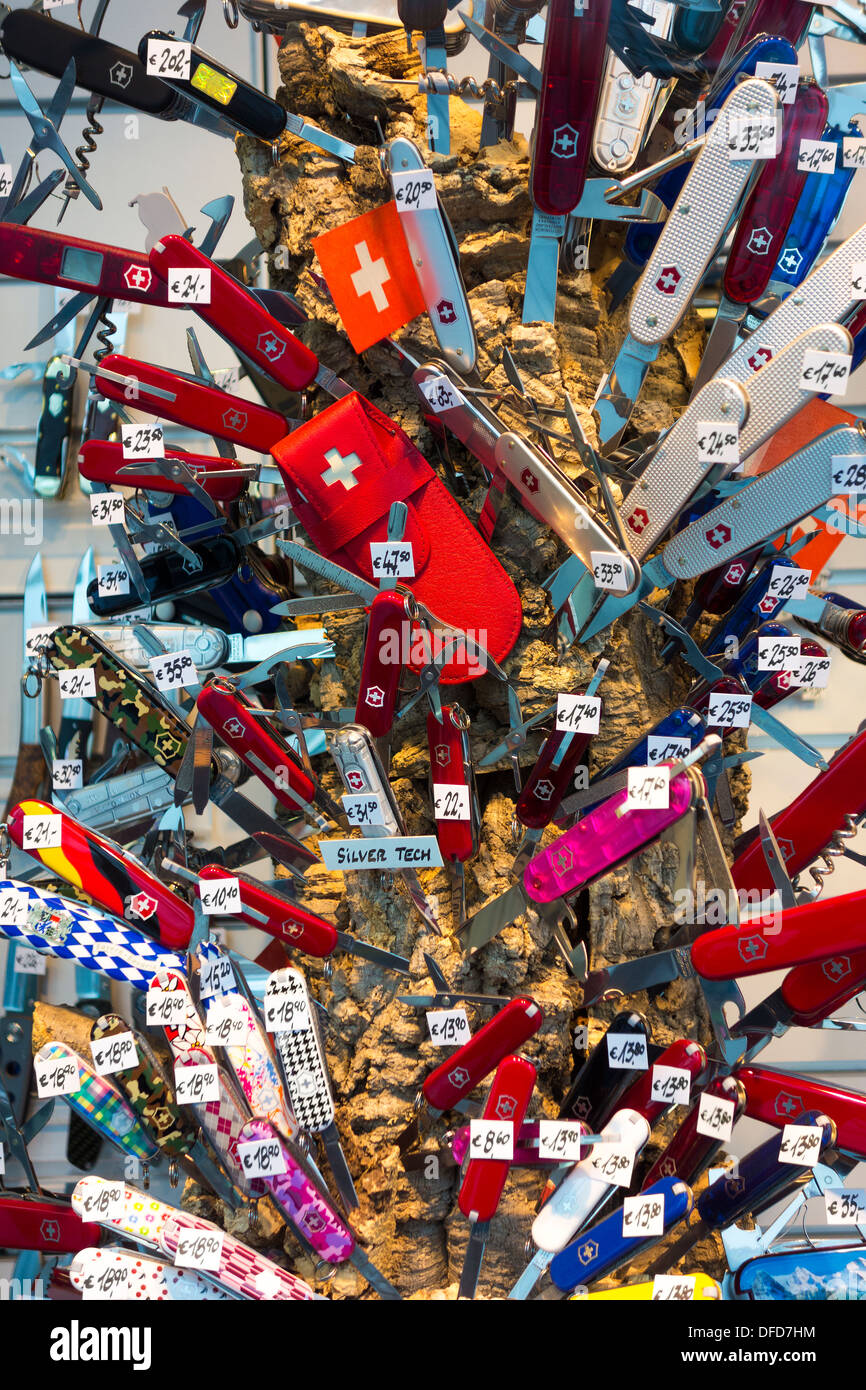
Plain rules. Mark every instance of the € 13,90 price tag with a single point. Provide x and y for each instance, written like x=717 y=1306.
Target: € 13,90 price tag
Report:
x=578 y=714
x=491 y=1139
x=448 y=1027
x=624 y=1051
x=608 y=570
x=559 y=1141
x=649 y=789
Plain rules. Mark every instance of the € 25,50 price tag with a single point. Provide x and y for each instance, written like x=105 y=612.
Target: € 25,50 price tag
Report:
x=491 y=1139
x=649 y=789
x=729 y=711
x=578 y=714
x=778 y=653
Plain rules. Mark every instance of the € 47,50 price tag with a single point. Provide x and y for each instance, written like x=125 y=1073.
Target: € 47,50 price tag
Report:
x=491 y=1139
x=801 y=1145
x=392 y=559
x=643 y=1215
x=578 y=714
x=649 y=789
x=197 y=1085
x=106 y=508
x=220 y=897
x=716 y=1117
x=624 y=1051
x=77 y=685
x=173 y=670
x=451 y=801
x=608 y=570
x=142 y=441
x=42 y=832
x=559 y=1141
x=448 y=1027
x=363 y=808
x=117 y=1053
x=671 y=1084
x=414 y=190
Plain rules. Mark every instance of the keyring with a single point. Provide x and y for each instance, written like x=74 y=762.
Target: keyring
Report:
x=230 y=13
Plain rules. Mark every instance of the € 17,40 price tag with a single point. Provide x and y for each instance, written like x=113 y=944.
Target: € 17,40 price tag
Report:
x=578 y=714
x=106 y=508
x=262 y=1158
x=112 y=579
x=643 y=1215
x=666 y=750
x=169 y=58
x=787 y=583
x=848 y=473
x=491 y=1139
x=801 y=1145
x=718 y=442
x=219 y=897
x=778 y=653
x=608 y=570
x=77 y=685
x=451 y=801
x=673 y=1288
x=729 y=711
x=414 y=190
x=671 y=1084
x=28 y=961
x=142 y=441
x=853 y=152
x=448 y=1027
x=649 y=789
x=173 y=670
x=189 y=286
x=559 y=1141
x=363 y=808
x=117 y=1053
x=716 y=1117
x=825 y=371
x=67 y=774
x=846 y=1207
x=392 y=559
x=197 y=1085
x=440 y=394
x=624 y=1051
x=42 y=832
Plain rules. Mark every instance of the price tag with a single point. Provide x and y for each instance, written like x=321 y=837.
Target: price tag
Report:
x=42 y=832
x=608 y=569
x=174 y=670
x=674 y=1288
x=103 y=1282
x=162 y=1007
x=613 y=1164
x=5 y=180
x=451 y=801
x=491 y=1139
x=786 y=583
x=751 y=138
x=718 y=442
x=848 y=474
x=67 y=774
x=441 y=394
x=14 y=907
x=199 y=1250
x=196 y=1085
x=216 y=972
x=37 y=640
x=142 y=441
x=801 y=1145
x=783 y=76
x=189 y=286
x=287 y=1008
x=111 y=579
x=664 y=750
x=106 y=1203
x=845 y=1208
x=77 y=684
x=262 y=1158
x=393 y=559
x=578 y=714
x=448 y=1027
x=28 y=961
x=169 y=58
x=716 y=1117
x=858 y=280
x=812 y=672
x=57 y=1078
x=778 y=653
x=825 y=371
x=363 y=808
x=816 y=157
x=627 y=1052
x=559 y=1141
x=414 y=190
x=227 y=378
x=649 y=789
x=227 y=1023
x=853 y=152
x=106 y=508
x=729 y=711
x=54 y=4
x=643 y=1216
x=117 y=1053
x=219 y=897
x=671 y=1085
x=2 y=1160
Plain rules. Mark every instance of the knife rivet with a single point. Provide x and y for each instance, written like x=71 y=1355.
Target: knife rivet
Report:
x=652 y=320
x=685 y=208
x=644 y=486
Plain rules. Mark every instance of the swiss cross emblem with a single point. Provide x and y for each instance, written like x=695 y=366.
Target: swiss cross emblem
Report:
x=544 y=790
x=375 y=696
x=446 y=311
x=271 y=346
x=292 y=929
x=760 y=240
x=138 y=277
x=581 y=1108
x=562 y=860
x=759 y=358
x=529 y=480
x=587 y=1252
x=564 y=143
x=459 y=1077
x=505 y=1107
x=120 y=75
x=233 y=727
x=668 y=279
x=790 y=260
x=314 y=1221
x=788 y=1105
x=355 y=780
x=443 y=754
x=837 y=968
x=50 y=1232
x=768 y=604
x=787 y=849
x=142 y=906
x=735 y=573
x=638 y=520
x=668 y=1168
x=235 y=420
x=719 y=536
x=752 y=948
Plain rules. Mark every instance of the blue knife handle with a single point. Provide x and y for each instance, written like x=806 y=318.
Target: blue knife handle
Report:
x=759 y=1178
x=603 y=1247
x=814 y=1274
x=815 y=215
x=752 y=607
x=745 y=664
x=681 y=723
x=694 y=30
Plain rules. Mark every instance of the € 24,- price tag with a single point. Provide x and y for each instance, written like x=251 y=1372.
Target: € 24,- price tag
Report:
x=613 y=1163
x=649 y=789
x=262 y=1158
x=173 y=670
x=751 y=137
x=448 y=1027
x=116 y=1053
x=169 y=58
x=848 y=474
x=718 y=442
x=816 y=157
x=287 y=1008
x=786 y=583
x=13 y=907
x=578 y=714
x=42 y=832
x=363 y=808
x=219 y=897
x=414 y=190
x=491 y=1139
x=392 y=559
x=608 y=570
x=59 y=1077
x=624 y=1051
x=197 y=1085
x=199 y=1250
x=441 y=394
x=106 y=508
x=451 y=801
x=715 y=1117
x=778 y=653
x=28 y=961
x=142 y=441
x=825 y=371
x=643 y=1215
x=845 y=1208
x=215 y=974
x=67 y=774
x=801 y=1145
x=112 y=579
x=665 y=750
x=673 y=1288
x=227 y=1023
x=853 y=153
x=671 y=1085
x=559 y=1141
x=162 y=1007
x=783 y=76
x=729 y=711
x=812 y=672
x=77 y=685
x=189 y=286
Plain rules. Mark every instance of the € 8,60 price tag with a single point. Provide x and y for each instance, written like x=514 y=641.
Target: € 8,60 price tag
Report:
x=578 y=714
x=491 y=1139
x=448 y=1027
x=624 y=1051
x=649 y=789
x=608 y=570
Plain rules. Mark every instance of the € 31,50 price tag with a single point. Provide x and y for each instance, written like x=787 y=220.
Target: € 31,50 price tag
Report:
x=491 y=1139
x=42 y=832
x=106 y=508
x=67 y=774
x=117 y=1053
x=578 y=714
x=392 y=559
x=559 y=1141
x=448 y=1027
x=363 y=808
x=801 y=1145
x=649 y=789
x=219 y=897
x=451 y=801
x=716 y=1117
x=671 y=1084
x=414 y=190
x=624 y=1051
x=197 y=1085
x=77 y=685
x=608 y=570
x=112 y=579
x=643 y=1215
x=173 y=670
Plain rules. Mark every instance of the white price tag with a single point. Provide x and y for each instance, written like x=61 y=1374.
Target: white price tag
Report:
x=673 y=1288
x=613 y=1164
x=451 y=801
x=816 y=157
x=169 y=58
x=853 y=152
x=219 y=897
x=751 y=137
x=57 y=1077
x=37 y=640
x=104 y=1283
x=6 y=174
x=608 y=569
x=858 y=280
x=13 y=907
x=801 y=1145
x=624 y=1051
x=392 y=559
x=196 y=1085
x=491 y=1139
x=363 y=808
x=448 y=1027
x=262 y=1158
x=578 y=714
x=848 y=474
x=77 y=684
x=28 y=961
x=778 y=653
x=162 y=1007
x=174 y=670
x=111 y=579
x=227 y=378
x=671 y=1085
x=718 y=442
x=42 y=832
x=825 y=371
x=199 y=1250
x=649 y=789
x=287 y=1007
x=117 y=1053
x=441 y=394
x=106 y=508
x=846 y=1207
x=414 y=190
x=643 y=1215
x=215 y=974
x=812 y=672
x=142 y=441
x=666 y=750
x=107 y=1203
x=783 y=76
x=786 y=583
x=226 y=1022
x=189 y=286
x=67 y=774
x=729 y=711
x=559 y=1141
x=715 y=1117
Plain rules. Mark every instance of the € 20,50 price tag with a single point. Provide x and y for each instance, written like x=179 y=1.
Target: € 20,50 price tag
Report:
x=262 y=1158
x=559 y=1141
x=28 y=961
x=42 y=832
x=77 y=685
x=196 y=1085
x=106 y=508
x=716 y=1117
x=608 y=570
x=671 y=1085
x=778 y=653
x=142 y=441
x=117 y=1053
x=673 y=1288
x=666 y=750
x=67 y=774
x=392 y=559
x=578 y=714
x=448 y=1027
x=189 y=286
x=219 y=897
x=613 y=1163
x=846 y=1207
x=491 y=1139
x=848 y=474
x=363 y=808
x=825 y=371
x=112 y=579
x=718 y=442
x=440 y=394
x=729 y=711
x=643 y=1215
x=801 y=1145
x=649 y=789
x=173 y=670
x=414 y=190
x=625 y=1051
x=451 y=801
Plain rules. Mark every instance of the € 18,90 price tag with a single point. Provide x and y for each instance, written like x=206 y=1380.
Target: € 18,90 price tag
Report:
x=812 y=672
x=440 y=394
x=57 y=1077
x=649 y=789
x=262 y=1158
x=199 y=1250
x=718 y=442
x=666 y=750
x=28 y=961
x=42 y=832
x=643 y=1215
x=287 y=1008
x=816 y=157
x=106 y=508
x=578 y=714
x=786 y=583
x=107 y=1203
x=219 y=897
x=613 y=1163
x=169 y=58
x=451 y=801
x=197 y=1085
x=801 y=1145
x=608 y=570
x=825 y=371
x=117 y=1053
x=173 y=670
x=392 y=559
x=189 y=286
x=673 y=1288
x=778 y=653
x=142 y=441
x=625 y=1051
x=671 y=1084
x=716 y=1117
x=491 y=1139
x=414 y=190
x=67 y=774
x=77 y=684
x=448 y=1027
x=363 y=808
x=848 y=474
x=729 y=711
x=559 y=1141
x=112 y=579
x=845 y=1207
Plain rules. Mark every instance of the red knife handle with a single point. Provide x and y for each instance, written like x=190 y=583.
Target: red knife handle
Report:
x=572 y=69
x=698 y=699
x=109 y=875
x=764 y=221
x=779 y=686
x=813 y=992
x=285 y=920
x=811 y=932
x=237 y=316
x=464 y=1069
x=718 y=589
x=111 y=272
x=689 y=1153
x=197 y=405
x=40 y=1223
x=100 y=461
x=450 y=764
x=777 y=17
x=388 y=628
x=780 y=1099
x=484 y=1178
x=684 y=1053
x=546 y=785
x=256 y=743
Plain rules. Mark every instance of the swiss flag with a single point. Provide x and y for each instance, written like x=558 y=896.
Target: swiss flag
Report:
x=369 y=271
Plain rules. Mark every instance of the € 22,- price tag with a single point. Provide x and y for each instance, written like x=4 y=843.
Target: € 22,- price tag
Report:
x=846 y=1207
x=825 y=371
x=451 y=801
x=613 y=1163
x=649 y=789
x=853 y=153
x=215 y=974
x=392 y=559
x=14 y=907
x=783 y=76
x=778 y=653
x=729 y=711
x=448 y=1027
x=491 y=1139
x=169 y=58
x=643 y=1215
x=197 y=1084
x=816 y=157
x=199 y=1250
x=801 y=1145
x=287 y=1008
x=673 y=1288
x=786 y=583
x=28 y=961
x=57 y=1077
x=37 y=640
x=106 y=508
x=559 y=1141
x=414 y=190
x=189 y=286
x=715 y=1117
x=226 y=1022
x=578 y=714
x=111 y=579
x=666 y=750
x=162 y=1007
x=441 y=394
x=42 y=832
x=671 y=1085
x=718 y=442
x=116 y=1053
x=848 y=474
x=142 y=441
x=67 y=774
x=219 y=897
x=262 y=1158
x=77 y=685
x=624 y=1051
x=812 y=672
x=608 y=570
x=173 y=670
x=752 y=137
x=363 y=808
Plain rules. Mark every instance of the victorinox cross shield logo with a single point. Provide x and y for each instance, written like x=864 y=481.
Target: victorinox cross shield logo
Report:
x=446 y=312
x=788 y=1105
x=668 y=280
x=375 y=696
x=790 y=260
x=587 y=1252
x=752 y=948
x=505 y=1107
x=235 y=420
x=459 y=1077
x=443 y=754
x=138 y=277
x=50 y=1232
x=529 y=480
x=735 y=573
x=140 y=906
x=768 y=604
x=355 y=779
x=544 y=789
x=759 y=358
x=120 y=74
x=562 y=860
x=271 y=346
x=760 y=241
x=638 y=520
x=564 y=143
x=787 y=848
x=718 y=536
x=837 y=968
x=233 y=727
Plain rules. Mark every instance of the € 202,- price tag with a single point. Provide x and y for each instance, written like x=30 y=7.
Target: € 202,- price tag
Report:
x=113 y=1054
x=77 y=684
x=816 y=156
x=163 y=1007
x=216 y=975
x=715 y=1117
x=451 y=801
x=363 y=808
x=848 y=474
x=783 y=76
x=649 y=789
x=624 y=1051
x=643 y=1215
x=559 y=1141
x=287 y=1008
x=42 y=832
x=608 y=570
x=778 y=653
x=845 y=1207
x=441 y=394
x=801 y=1145
x=666 y=750
x=853 y=152
x=67 y=774
x=107 y=508
x=28 y=961
x=196 y=1084
x=786 y=583
x=578 y=714
x=672 y=1085
x=752 y=137
x=57 y=1077
x=142 y=441
x=718 y=442
x=112 y=579
x=392 y=559
x=169 y=58
x=219 y=897
x=414 y=190
x=173 y=670
x=673 y=1288
x=199 y=1250
x=491 y=1139
x=612 y=1163
x=729 y=711
x=812 y=672
x=448 y=1027
x=226 y=1023
x=189 y=286
x=825 y=371
x=262 y=1158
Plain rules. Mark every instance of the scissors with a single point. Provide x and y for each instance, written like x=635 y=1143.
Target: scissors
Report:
x=444 y=998
x=45 y=136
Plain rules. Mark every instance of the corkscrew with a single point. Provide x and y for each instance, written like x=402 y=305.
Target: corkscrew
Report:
x=436 y=81
x=94 y=127
x=834 y=848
